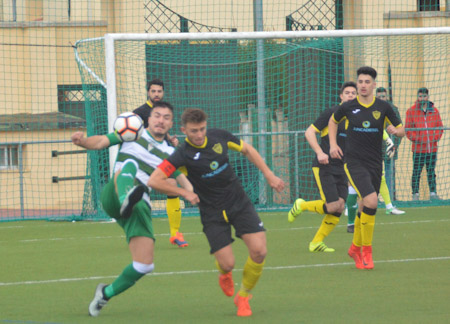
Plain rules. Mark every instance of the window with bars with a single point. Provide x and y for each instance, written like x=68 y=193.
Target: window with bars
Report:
x=428 y=5
x=9 y=157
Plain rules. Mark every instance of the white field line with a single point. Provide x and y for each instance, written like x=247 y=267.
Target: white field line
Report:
x=86 y=223
x=178 y=273
x=201 y=233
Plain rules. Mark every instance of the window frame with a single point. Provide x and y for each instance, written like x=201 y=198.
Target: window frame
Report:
x=9 y=157
x=428 y=5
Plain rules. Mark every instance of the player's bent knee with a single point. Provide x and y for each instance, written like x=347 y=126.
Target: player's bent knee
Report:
x=143 y=268
x=227 y=267
x=332 y=208
x=258 y=255
x=369 y=211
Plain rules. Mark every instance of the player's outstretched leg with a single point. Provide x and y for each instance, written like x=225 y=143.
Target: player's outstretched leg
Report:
x=132 y=198
x=296 y=210
x=129 y=276
x=329 y=222
x=99 y=300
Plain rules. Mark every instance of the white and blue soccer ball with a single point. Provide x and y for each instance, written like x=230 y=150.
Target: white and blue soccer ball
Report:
x=128 y=126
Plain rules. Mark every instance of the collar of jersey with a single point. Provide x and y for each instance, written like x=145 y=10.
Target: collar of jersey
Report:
x=364 y=105
x=149 y=104
x=196 y=146
x=160 y=142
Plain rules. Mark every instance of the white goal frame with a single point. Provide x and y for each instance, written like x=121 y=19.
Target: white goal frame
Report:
x=110 y=40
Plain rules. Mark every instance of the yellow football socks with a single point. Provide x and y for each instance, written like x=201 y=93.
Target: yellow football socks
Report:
x=315 y=206
x=357 y=240
x=367 y=226
x=328 y=224
x=252 y=272
x=173 y=214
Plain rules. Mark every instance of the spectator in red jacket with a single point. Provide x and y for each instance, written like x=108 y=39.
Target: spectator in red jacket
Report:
x=422 y=119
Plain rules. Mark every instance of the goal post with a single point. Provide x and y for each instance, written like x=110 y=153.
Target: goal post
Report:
x=301 y=76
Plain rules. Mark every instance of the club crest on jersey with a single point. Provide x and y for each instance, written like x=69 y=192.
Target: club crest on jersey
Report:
x=376 y=114
x=217 y=148
x=214 y=165
x=366 y=124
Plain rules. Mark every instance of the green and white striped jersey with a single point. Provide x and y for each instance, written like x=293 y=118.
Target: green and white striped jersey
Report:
x=147 y=152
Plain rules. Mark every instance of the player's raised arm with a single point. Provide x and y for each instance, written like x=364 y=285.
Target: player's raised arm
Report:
x=96 y=142
x=253 y=156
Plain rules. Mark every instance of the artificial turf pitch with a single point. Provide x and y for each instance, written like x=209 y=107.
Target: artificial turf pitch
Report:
x=49 y=271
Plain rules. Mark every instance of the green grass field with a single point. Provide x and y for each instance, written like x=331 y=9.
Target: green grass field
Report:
x=49 y=271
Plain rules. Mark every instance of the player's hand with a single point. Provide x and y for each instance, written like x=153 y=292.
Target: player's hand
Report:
x=77 y=138
x=336 y=152
x=276 y=183
x=390 y=148
x=322 y=158
x=391 y=129
x=173 y=139
x=192 y=197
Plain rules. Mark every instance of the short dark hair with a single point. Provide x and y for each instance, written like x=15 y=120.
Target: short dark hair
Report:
x=381 y=89
x=162 y=104
x=367 y=70
x=422 y=90
x=346 y=85
x=193 y=115
x=155 y=81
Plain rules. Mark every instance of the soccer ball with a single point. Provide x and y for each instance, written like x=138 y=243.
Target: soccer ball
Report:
x=128 y=126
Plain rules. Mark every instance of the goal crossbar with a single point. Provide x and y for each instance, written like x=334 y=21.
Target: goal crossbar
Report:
x=279 y=34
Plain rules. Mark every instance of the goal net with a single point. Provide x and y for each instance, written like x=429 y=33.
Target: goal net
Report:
x=268 y=88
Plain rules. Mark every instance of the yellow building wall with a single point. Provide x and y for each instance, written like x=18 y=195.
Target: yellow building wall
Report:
x=14 y=64
x=39 y=167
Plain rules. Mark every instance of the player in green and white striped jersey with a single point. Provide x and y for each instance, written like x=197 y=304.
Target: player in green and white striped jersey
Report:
x=126 y=199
